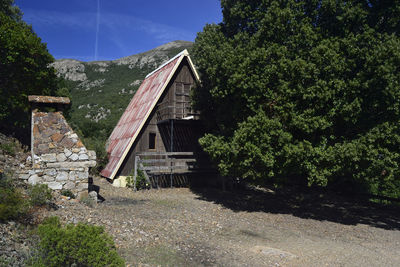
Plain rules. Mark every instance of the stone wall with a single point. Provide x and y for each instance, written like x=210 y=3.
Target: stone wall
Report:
x=59 y=159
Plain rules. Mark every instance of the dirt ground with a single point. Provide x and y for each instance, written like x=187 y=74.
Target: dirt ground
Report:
x=252 y=227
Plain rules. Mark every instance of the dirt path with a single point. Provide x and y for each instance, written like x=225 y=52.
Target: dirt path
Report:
x=180 y=227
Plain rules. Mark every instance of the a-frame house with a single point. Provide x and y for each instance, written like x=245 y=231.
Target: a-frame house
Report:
x=159 y=120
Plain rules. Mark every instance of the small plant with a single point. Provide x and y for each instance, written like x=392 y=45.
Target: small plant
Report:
x=40 y=194
x=74 y=245
x=9 y=148
x=141 y=182
x=12 y=203
x=87 y=200
x=67 y=193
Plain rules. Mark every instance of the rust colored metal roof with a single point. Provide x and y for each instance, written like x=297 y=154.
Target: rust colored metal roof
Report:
x=137 y=112
x=48 y=99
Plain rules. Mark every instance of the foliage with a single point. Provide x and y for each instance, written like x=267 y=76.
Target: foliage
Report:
x=67 y=193
x=74 y=245
x=12 y=203
x=304 y=92
x=9 y=148
x=141 y=182
x=9 y=9
x=40 y=194
x=24 y=71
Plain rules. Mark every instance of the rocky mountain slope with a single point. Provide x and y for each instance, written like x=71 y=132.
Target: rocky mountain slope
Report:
x=101 y=90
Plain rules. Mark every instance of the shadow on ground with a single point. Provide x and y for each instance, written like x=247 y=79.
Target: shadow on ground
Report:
x=318 y=205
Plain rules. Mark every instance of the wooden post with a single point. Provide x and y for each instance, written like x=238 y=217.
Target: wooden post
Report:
x=172 y=147
x=135 y=173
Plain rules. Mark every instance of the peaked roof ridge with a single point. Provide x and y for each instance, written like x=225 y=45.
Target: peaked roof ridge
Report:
x=183 y=52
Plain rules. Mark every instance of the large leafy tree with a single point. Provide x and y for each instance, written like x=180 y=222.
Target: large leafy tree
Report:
x=301 y=91
x=24 y=70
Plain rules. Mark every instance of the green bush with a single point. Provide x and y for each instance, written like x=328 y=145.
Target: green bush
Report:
x=141 y=182
x=312 y=90
x=8 y=148
x=78 y=245
x=12 y=203
x=67 y=193
x=40 y=194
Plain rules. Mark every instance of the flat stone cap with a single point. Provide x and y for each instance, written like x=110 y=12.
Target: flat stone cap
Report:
x=48 y=99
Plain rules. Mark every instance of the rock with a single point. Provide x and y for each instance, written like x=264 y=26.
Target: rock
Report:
x=76 y=150
x=67 y=143
x=83 y=157
x=24 y=176
x=61 y=157
x=74 y=157
x=92 y=154
x=65 y=197
x=48 y=178
x=52 y=145
x=28 y=159
x=69 y=185
x=34 y=179
x=71 y=165
x=51 y=172
x=36 y=166
x=82 y=186
x=67 y=152
x=62 y=176
x=83 y=175
x=54 y=185
x=49 y=157
x=57 y=137
x=72 y=175
x=93 y=195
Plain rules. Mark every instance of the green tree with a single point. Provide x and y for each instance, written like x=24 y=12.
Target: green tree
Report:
x=24 y=70
x=304 y=92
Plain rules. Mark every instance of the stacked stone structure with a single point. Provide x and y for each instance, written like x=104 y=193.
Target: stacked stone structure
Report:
x=59 y=158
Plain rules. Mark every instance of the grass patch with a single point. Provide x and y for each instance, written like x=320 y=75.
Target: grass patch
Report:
x=9 y=148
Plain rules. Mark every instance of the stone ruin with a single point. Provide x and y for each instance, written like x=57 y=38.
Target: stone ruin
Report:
x=59 y=158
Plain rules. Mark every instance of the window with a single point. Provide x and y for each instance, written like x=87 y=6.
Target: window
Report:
x=152 y=141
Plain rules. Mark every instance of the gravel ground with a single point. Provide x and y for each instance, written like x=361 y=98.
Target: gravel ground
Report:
x=252 y=227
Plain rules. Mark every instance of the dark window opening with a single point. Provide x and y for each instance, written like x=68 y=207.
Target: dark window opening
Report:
x=152 y=141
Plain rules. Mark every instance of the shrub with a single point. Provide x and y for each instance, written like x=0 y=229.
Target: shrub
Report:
x=9 y=148
x=87 y=200
x=78 y=245
x=12 y=203
x=67 y=193
x=141 y=182
x=39 y=194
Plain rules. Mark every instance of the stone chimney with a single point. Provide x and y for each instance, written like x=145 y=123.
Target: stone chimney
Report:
x=59 y=158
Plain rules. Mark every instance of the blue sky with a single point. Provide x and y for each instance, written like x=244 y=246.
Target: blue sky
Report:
x=75 y=28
